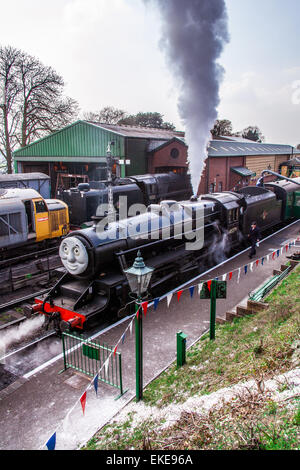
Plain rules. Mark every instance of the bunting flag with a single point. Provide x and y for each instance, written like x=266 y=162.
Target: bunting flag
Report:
x=179 y=294
x=123 y=338
x=145 y=307
x=191 y=289
x=115 y=350
x=209 y=285
x=169 y=298
x=95 y=382
x=224 y=277
x=52 y=442
x=200 y=287
x=257 y=262
x=239 y=276
x=246 y=269
x=130 y=328
x=286 y=247
x=278 y=251
x=273 y=255
x=156 y=302
x=268 y=258
x=281 y=250
x=262 y=261
x=230 y=276
x=251 y=267
x=83 y=401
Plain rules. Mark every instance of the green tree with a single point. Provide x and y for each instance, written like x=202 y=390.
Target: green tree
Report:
x=253 y=133
x=154 y=120
x=222 y=127
x=107 y=115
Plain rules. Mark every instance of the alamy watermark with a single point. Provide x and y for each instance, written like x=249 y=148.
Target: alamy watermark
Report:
x=165 y=221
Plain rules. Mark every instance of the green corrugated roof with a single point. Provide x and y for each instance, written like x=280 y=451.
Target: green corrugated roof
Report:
x=242 y=171
x=79 y=140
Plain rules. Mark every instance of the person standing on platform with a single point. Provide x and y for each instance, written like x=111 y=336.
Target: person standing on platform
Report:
x=254 y=237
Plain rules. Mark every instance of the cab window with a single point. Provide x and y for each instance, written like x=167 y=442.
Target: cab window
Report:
x=40 y=206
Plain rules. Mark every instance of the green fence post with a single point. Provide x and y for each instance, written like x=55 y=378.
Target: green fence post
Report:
x=139 y=354
x=64 y=351
x=181 y=348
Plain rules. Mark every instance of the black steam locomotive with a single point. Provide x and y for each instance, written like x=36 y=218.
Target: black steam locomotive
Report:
x=89 y=199
x=178 y=239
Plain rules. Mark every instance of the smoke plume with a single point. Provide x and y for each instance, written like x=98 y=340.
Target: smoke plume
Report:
x=193 y=37
x=18 y=333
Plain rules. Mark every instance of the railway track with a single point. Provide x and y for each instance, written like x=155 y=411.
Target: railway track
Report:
x=10 y=316
x=28 y=270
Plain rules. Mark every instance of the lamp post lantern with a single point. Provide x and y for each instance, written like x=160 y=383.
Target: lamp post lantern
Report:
x=139 y=276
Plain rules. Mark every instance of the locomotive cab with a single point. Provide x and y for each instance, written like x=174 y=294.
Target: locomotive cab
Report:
x=46 y=219
x=25 y=218
x=230 y=205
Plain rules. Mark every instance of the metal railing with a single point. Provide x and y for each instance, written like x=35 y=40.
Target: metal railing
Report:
x=260 y=293
x=89 y=357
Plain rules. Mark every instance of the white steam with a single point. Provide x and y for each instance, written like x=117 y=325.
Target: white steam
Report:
x=18 y=333
x=194 y=35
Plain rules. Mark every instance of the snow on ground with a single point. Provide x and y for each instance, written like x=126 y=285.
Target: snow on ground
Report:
x=279 y=388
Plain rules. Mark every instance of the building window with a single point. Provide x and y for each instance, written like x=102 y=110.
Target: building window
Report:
x=211 y=187
x=220 y=187
x=174 y=153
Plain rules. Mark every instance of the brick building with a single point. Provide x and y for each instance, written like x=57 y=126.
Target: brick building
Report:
x=236 y=163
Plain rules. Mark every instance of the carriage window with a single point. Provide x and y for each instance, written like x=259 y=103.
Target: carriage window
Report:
x=40 y=206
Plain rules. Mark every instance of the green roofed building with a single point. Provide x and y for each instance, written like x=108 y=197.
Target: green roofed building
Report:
x=78 y=153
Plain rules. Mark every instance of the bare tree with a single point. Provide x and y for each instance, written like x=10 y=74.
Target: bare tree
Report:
x=107 y=115
x=43 y=107
x=9 y=92
x=33 y=104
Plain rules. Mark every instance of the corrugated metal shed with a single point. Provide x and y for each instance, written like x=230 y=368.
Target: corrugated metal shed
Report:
x=222 y=148
x=80 y=141
x=141 y=132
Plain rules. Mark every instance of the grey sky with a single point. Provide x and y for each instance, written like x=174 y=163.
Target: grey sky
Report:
x=108 y=53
